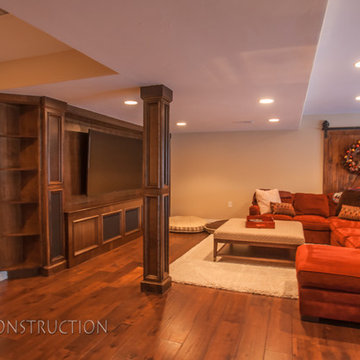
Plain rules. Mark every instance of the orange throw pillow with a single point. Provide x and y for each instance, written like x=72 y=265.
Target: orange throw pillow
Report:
x=349 y=212
x=282 y=209
x=348 y=197
x=311 y=204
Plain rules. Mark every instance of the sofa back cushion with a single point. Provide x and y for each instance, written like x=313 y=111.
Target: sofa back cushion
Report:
x=348 y=197
x=285 y=196
x=311 y=204
x=332 y=204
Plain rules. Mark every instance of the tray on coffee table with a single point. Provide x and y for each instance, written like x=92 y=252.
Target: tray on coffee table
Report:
x=260 y=222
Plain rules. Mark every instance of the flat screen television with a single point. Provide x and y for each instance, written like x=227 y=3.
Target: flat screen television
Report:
x=114 y=163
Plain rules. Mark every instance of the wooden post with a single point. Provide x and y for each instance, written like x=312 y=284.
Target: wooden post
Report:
x=156 y=188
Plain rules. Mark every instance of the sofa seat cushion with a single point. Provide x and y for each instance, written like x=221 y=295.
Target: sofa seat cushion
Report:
x=313 y=222
x=336 y=223
x=282 y=217
x=311 y=204
x=328 y=267
x=340 y=235
x=352 y=242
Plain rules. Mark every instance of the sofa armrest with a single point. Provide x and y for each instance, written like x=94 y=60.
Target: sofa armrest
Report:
x=254 y=210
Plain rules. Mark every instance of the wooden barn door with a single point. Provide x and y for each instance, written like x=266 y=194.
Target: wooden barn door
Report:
x=336 y=177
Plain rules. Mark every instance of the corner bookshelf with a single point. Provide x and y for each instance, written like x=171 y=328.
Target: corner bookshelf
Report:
x=20 y=230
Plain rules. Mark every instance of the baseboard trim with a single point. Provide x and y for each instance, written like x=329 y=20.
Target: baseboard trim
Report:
x=53 y=269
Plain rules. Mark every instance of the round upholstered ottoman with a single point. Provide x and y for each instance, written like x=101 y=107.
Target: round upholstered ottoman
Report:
x=212 y=226
x=186 y=224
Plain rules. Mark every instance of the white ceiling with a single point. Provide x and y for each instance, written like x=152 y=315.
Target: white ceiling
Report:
x=335 y=82
x=219 y=57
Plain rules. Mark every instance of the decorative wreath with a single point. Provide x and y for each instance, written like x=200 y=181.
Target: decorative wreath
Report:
x=351 y=164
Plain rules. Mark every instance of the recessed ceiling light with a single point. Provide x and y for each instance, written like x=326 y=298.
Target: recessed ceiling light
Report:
x=274 y=120
x=357 y=98
x=181 y=123
x=266 y=101
x=130 y=102
x=357 y=64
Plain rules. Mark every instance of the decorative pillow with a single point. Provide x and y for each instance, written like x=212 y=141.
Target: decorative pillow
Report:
x=186 y=224
x=264 y=197
x=311 y=204
x=349 y=212
x=336 y=197
x=348 y=197
x=285 y=196
x=282 y=209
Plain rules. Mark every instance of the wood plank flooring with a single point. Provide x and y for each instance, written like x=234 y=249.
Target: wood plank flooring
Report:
x=187 y=323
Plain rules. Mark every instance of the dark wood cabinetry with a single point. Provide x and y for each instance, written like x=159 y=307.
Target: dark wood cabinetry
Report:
x=43 y=144
x=20 y=234
x=96 y=230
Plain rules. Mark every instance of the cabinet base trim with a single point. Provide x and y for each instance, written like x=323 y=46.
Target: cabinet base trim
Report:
x=53 y=269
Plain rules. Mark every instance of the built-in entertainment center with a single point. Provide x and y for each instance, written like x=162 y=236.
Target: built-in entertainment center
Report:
x=71 y=184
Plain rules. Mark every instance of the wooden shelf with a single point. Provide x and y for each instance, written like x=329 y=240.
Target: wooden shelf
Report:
x=25 y=269
x=22 y=266
x=13 y=136
x=23 y=234
x=20 y=223
x=21 y=202
x=19 y=169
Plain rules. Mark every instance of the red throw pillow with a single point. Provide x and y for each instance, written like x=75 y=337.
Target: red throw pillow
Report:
x=311 y=204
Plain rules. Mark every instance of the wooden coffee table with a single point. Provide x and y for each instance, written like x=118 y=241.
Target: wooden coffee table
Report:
x=285 y=235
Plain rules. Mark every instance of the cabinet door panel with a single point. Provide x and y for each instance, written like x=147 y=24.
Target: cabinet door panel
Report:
x=56 y=226
x=54 y=148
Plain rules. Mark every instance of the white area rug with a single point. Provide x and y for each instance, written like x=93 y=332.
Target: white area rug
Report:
x=197 y=267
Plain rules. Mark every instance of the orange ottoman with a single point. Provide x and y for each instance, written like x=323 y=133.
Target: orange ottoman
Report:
x=329 y=282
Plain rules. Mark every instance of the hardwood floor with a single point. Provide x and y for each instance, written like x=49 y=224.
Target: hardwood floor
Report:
x=187 y=322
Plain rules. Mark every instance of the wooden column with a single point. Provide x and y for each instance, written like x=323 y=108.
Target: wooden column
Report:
x=53 y=185
x=156 y=188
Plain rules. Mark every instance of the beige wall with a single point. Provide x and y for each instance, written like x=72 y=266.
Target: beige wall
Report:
x=210 y=169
